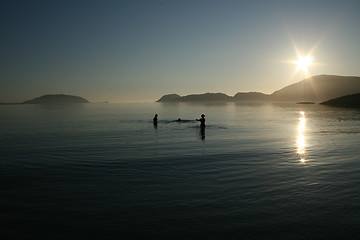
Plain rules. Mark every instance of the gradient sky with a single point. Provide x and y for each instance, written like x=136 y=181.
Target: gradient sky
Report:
x=139 y=50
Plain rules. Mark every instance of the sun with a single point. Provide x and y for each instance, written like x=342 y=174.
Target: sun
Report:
x=304 y=62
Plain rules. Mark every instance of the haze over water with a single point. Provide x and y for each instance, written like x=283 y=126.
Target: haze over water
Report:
x=103 y=171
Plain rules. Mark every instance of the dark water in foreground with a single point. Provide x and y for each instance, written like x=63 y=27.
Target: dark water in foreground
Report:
x=102 y=171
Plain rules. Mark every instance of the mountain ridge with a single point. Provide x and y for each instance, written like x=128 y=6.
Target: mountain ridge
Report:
x=313 y=89
x=318 y=88
x=56 y=99
x=348 y=101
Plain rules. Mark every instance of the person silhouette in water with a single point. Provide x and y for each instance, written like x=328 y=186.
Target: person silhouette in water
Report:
x=202 y=126
x=155 y=120
x=202 y=121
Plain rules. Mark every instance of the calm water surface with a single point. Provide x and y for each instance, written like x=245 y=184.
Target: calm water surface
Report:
x=103 y=171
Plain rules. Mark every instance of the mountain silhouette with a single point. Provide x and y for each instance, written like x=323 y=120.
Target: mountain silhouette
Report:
x=206 y=97
x=251 y=96
x=314 y=89
x=56 y=98
x=169 y=98
x=352 y=101
x=318 y=89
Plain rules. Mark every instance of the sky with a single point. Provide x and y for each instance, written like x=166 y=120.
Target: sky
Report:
x=139 y=50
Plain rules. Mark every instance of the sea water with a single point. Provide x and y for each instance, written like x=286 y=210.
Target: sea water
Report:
x=104 y=171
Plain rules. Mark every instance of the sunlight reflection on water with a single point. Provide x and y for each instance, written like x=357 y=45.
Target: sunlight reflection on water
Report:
x=300 y=140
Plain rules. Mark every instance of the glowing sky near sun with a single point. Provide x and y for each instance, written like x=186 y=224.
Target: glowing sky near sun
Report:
x=141 y=50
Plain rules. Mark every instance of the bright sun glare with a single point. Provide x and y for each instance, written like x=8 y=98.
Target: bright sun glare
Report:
x=303 y=63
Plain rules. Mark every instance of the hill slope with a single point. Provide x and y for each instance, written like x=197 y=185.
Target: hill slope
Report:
x=318 y=89
x=251 y=96
x=169 y=98
x=352 y=101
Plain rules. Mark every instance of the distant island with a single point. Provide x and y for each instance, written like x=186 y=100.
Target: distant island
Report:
x=349 y=101
x=56 y=98
x=207 y=97
x=325 y=89
x=53 y=99
x=311 y=90
x=305 y=103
